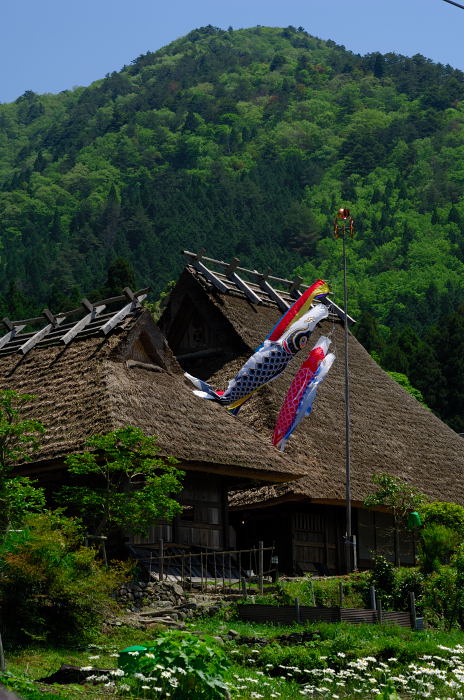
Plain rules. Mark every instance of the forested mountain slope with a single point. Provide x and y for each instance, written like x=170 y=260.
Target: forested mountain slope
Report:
x=245 y=142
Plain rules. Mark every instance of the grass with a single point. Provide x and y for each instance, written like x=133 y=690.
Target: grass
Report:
x=343 y=661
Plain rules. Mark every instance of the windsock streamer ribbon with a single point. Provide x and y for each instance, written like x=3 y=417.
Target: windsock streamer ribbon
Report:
x=300 y=307
x=266 y=363
x=300 y=397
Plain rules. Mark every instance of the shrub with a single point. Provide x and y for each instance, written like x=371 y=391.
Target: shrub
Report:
x=442 y=596
x=180 y=664
x=437 y=544
x=52 y=588
x=451 y=515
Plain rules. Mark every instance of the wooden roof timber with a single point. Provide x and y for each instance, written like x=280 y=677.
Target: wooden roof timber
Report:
x=227 y=281
x=60 y=330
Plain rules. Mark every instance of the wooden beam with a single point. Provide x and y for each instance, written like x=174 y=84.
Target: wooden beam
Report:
x=210 y=276
x=80 y=325
x=37 y=337
x=294 y=287
x=122 y=313
x=242 y=285
x=332 y=306
x=4 y=340
x=272 y=294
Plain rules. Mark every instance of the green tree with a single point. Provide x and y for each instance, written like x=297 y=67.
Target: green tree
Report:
x=52 y=588
x=399 y=498
x=126 y=485
x=19 y=438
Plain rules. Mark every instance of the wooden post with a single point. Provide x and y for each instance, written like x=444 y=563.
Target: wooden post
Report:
x=372 y=598
x=2 y=656
x=313 y=598
x=379 y=611
x=244 y=587
x=161 y=568
x=340 y=588
x=355 y=554
x=297 y=610
x=261 y=567
x=412 y=608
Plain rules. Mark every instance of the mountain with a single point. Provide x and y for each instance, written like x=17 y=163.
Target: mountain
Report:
x=245 y=143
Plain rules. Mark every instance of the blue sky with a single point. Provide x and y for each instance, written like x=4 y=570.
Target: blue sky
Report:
x=54 y=45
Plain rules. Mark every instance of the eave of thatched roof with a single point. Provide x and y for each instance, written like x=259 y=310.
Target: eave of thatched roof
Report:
x=390 y=431
x=130 y=377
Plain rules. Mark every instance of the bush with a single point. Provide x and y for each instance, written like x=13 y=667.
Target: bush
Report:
x=52 y=589
x=438 y=542
x=179 y=664
x=448 y=514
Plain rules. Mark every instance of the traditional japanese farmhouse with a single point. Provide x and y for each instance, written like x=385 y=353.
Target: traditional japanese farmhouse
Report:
x=217 y=315
x=107 y=365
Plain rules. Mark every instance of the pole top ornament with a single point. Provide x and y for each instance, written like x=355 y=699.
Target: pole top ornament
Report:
x=343 y=223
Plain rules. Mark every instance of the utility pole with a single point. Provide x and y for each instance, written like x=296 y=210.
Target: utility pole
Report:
x=343 y=226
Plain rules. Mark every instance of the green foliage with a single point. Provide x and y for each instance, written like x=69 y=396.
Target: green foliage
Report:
x=396 y=495
x=403 y=381
x=437 y=544
x=451 y=515
x=245 y=143
x=180 y=663
x=19 y=438
x=132 y=487
x=51 y=587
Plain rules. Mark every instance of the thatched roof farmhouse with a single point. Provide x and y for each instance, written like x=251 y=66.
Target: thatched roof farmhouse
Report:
x=115 y=370
x=213 y=323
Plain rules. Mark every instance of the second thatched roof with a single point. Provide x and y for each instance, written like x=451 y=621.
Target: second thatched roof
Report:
x=390 y=431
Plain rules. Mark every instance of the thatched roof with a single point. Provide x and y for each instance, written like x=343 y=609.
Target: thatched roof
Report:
x=391 y=431
x=130 y=377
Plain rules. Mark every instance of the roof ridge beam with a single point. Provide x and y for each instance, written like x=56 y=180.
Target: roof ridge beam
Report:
x=136 y=300
x=200 y=256
x=241 y=284
x=332 y=306
x=37 y=337
x=5 y=339
x=270 y=291
x=94 y=311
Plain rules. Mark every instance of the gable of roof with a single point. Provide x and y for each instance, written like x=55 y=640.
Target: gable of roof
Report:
x=390 y=431
x=130 y=377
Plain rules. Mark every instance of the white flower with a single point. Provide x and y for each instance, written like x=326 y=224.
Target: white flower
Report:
x=86 y=668
x=124 y=687
x=117 y=672
x=131 y=653
x=340 y=654
x=92 y=658
x=149 y=655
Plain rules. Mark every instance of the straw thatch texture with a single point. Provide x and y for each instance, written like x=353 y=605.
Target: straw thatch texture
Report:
x=131 y=378
x=391 y=431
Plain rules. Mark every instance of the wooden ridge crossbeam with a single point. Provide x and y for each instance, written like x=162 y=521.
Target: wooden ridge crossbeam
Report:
x=227 y=280
x=60 y=327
